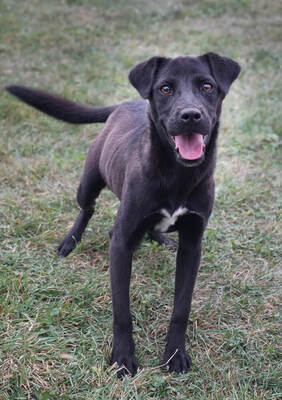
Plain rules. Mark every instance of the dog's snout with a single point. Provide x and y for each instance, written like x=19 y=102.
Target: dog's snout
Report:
x=190 y=115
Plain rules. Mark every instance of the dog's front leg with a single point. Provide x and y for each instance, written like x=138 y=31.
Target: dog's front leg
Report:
x=187 y=265
x=120 y=272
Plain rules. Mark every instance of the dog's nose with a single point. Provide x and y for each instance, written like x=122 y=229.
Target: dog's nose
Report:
x=190 y=115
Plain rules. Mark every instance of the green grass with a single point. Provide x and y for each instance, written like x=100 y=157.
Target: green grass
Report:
x=55 y=316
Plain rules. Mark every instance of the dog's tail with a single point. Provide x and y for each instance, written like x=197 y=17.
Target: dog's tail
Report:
x=60 y=108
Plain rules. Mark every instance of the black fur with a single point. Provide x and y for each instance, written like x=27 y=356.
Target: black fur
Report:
x=136 y=156
x=62 y=109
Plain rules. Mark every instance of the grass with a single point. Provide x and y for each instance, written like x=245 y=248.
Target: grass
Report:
x=55 y=316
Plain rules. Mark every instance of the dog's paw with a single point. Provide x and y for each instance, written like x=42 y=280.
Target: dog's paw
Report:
x=162 y=239
x=66 y=246
x=169 y=242
x=177 y=361
x=126 y=364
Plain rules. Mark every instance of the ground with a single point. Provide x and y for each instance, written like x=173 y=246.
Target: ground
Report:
x=55 y=316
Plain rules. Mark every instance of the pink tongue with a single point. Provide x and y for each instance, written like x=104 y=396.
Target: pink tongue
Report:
x=190 y=146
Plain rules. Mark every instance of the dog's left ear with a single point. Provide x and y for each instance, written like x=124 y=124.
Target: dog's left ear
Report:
x=142 y=75
x=223 y=69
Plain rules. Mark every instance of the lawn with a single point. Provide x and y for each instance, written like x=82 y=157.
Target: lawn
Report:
x=55 y=316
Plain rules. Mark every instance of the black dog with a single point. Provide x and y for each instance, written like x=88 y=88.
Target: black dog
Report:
x=158 y=157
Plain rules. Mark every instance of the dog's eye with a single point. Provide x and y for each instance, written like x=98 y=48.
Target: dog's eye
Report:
x=207 y=87
x=165 y=89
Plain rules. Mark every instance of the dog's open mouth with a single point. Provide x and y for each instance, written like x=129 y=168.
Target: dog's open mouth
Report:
x=190 y=147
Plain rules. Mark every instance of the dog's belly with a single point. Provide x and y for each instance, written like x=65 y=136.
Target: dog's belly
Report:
x=168 y=219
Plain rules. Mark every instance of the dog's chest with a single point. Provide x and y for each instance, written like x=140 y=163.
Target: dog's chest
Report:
x=168 y=219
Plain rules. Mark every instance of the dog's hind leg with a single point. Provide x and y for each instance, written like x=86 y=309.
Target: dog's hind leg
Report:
x=162 y=239
x=90 y=186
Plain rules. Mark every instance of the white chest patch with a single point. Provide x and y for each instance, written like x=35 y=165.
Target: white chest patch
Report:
x=168 y=219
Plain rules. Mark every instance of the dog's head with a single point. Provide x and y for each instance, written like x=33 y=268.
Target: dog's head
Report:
x=185 y=94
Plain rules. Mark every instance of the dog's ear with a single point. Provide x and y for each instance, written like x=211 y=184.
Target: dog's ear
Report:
x=142 y=75
x=224 y=70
